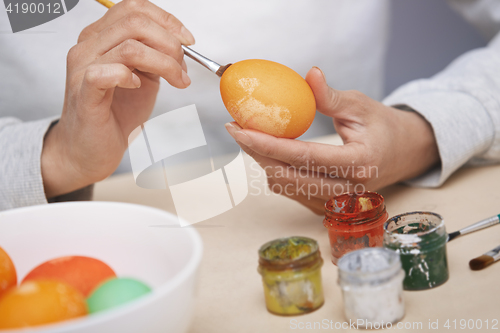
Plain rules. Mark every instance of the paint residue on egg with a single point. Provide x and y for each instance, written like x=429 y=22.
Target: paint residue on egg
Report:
x=251 y=113
x=248 y=84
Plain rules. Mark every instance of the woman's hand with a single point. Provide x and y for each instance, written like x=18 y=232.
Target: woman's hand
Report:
x=382 y=146
x=111 y=86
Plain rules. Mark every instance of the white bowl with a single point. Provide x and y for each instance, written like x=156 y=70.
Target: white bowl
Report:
x=136 y=241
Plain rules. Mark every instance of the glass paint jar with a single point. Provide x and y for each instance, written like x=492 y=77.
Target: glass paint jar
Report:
x=291 y=275
x=354 y=222
x=420 y=239
x=371 y=280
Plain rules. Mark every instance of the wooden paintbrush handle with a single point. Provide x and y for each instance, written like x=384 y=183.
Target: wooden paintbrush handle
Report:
x=106 y=3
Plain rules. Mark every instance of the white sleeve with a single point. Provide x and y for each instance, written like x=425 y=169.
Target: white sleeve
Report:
x=21 y=181
x=462 y=104
x=20 y=171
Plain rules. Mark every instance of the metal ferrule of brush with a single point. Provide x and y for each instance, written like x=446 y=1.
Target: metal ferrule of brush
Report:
x=480 y=225
x=495 y=253
x=211 y=65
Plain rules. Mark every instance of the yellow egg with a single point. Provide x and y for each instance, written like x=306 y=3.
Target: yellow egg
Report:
x=269 y=97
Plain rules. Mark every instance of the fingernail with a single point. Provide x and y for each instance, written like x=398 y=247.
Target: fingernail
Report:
x=230 y=129
x=324 y=77
x=188 y=35
x=136 y=80
x=184 y=66
x=186 y=79
x=243 y=138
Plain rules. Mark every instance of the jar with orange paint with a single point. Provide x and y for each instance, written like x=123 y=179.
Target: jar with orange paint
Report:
x=354 y=221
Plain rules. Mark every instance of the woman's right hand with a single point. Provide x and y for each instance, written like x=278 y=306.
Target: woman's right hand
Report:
x=382 y=146
x=111 y=86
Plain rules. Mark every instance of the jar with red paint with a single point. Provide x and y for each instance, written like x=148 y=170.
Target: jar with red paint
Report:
x=354 y=221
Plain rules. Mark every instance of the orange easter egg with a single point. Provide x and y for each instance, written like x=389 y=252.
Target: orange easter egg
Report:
x=8 y=275
x=40 y=302
x=269 y=97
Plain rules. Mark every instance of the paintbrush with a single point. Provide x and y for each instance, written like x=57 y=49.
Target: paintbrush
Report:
x=490 y=221
x=485 y=260
x=204 y=61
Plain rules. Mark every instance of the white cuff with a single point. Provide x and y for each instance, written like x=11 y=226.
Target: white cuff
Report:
x=461 y=125
x=20 y=154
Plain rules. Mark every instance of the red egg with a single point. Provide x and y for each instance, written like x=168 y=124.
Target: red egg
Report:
x=82 y=273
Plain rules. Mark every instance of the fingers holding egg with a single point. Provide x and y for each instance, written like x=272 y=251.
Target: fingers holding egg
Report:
x=268 y=97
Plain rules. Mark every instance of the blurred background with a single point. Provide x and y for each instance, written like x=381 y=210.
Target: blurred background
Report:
x=425 y=36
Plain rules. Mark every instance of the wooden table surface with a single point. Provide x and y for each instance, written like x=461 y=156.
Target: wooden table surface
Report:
x=230 y=296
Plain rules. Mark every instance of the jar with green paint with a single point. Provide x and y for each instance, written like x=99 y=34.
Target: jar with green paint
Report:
x=420 y=239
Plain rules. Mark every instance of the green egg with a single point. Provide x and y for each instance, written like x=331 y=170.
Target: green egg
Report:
x=115 y=292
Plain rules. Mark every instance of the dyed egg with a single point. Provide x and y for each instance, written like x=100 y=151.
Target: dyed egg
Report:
x=83 y=273
x=40 y=302
x=8 y=275
x=269 y=97
x=115 y=292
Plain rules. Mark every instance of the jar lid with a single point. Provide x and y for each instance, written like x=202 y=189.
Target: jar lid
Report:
x=289 y=252
x=372 y=265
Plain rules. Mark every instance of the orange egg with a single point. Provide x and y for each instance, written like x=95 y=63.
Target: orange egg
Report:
x=8 y=275
x=83 y=273
x=40 y=302
x=269 y=97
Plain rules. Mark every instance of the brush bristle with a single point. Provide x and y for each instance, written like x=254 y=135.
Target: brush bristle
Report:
x=453 y=235
x=480 y=262
x=222 y=69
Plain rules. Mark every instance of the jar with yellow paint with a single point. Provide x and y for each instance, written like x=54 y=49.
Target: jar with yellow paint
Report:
x=291 y=275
